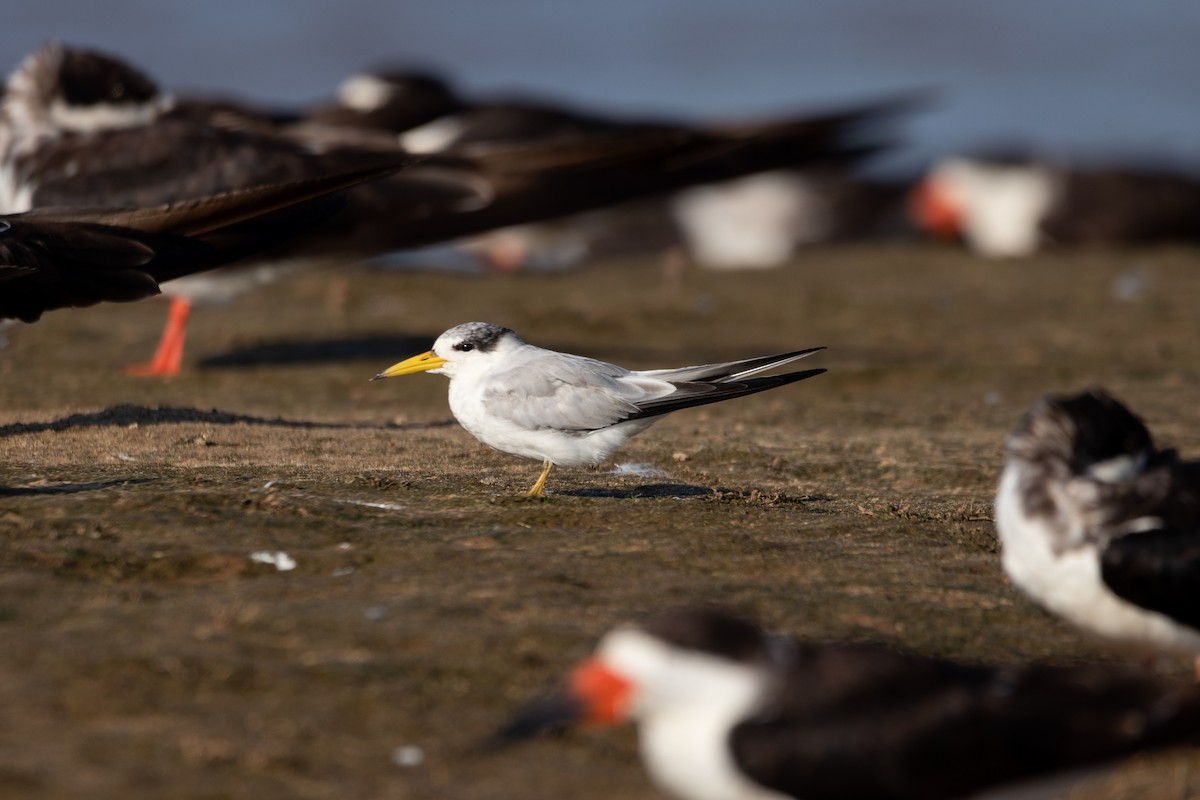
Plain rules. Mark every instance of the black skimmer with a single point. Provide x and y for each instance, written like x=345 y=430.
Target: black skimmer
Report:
x=81 y=128
x=726 y=713
x=1100 y=526
x=568 y=410
x=69 y=257
x=1015 y=206
x=762 y=220
x=757 y=220
x=157 y=151
x=387 y=100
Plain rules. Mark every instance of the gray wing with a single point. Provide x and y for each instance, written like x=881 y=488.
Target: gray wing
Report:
x=570 y=393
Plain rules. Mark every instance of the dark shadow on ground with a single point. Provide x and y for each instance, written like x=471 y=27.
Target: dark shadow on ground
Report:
x=68 y=488
x=389 y=348
x=651 y=491
x=125 y=415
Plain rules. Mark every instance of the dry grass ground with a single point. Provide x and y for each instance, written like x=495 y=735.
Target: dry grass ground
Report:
x=143 y=655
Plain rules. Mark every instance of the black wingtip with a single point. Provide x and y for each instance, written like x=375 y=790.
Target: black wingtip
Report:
x=783 y=380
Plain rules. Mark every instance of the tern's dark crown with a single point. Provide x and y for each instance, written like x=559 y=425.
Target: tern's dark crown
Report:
x=481 y=336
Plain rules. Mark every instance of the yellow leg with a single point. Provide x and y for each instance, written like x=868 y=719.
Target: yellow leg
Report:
x=539 y=488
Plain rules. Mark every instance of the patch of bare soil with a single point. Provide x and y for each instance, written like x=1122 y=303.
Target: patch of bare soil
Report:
x=145 y=654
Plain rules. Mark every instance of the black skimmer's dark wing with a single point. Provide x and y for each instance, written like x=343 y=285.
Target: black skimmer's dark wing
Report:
x=557 y=177
x=724 y=711
x=1157 y=570
x=783 y=209
x=867 y=722
x=58 y=257
x=1099 y=525
x=1121 y=205
x=837 y=137
x=100 y=153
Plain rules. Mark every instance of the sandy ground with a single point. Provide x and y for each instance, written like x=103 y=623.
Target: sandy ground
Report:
x=144 y=655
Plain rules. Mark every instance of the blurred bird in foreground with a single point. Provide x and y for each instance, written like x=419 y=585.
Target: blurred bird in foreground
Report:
x=725 y=712
x=566 y=409
x=1100 y=526
x=1014 y=206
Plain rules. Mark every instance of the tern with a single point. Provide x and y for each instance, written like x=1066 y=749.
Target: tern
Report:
x=1101 y=527
x=566 y=409
x=727 y=713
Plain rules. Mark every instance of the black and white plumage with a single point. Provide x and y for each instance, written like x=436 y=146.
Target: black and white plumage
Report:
x=566 y=409
x=84 y=128
x=774 y=202
x=388 y=100
x=1015 y=206
x=62 y=257
x=156 y=150
x=727 y=713
x=1100 y=526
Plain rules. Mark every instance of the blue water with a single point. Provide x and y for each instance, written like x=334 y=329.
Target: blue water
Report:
x=1089 y=75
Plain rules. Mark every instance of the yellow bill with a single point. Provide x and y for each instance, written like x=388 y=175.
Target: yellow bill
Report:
x=422 y=363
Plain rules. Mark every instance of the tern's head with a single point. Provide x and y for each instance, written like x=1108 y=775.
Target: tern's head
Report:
x=693 y=661
x=463 y=348
x=79 y=90
x=1089 y=434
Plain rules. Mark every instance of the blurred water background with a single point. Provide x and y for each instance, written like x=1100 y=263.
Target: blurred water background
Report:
x=1082 y=77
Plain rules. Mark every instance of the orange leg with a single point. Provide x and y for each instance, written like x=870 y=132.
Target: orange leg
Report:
x=169 y=355
x=539 y=488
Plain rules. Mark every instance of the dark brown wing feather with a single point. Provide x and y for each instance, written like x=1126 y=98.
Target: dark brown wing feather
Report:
x=860 y=721
x=53 y=258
